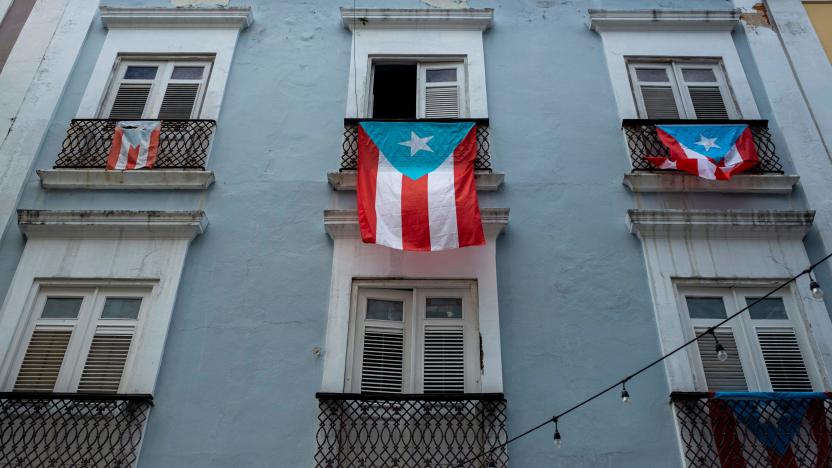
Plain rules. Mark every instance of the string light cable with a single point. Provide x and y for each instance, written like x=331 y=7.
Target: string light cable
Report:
x=814 y=288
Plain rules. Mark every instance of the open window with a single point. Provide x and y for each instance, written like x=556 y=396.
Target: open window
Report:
x=410 y=90
x=157 y=89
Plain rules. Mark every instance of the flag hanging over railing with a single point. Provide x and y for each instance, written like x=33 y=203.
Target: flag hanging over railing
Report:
x=416 y=187
x=135 y=145
x=713 y=152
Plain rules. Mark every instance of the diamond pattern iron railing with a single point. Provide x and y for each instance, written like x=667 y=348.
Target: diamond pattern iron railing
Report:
x=349 y=155
x=183 y=144
x=712 y=437
x=643 y=141
x=410 y=431
x=71 y=430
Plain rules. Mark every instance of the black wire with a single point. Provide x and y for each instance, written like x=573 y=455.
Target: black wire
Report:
x=643 y=369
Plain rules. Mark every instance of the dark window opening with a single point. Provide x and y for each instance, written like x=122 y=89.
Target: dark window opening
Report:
x=394 y=91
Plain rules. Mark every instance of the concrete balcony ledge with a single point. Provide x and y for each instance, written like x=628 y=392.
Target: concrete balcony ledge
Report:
x=344 y=223
x=744 y=224
x=100 y=179
x=111 y=224
x=742 y=183
x=487 y=181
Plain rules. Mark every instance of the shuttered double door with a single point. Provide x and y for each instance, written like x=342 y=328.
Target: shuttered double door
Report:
x=414 y=341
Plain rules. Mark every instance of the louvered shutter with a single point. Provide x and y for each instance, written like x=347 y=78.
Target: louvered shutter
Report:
x=441 y=90
x=704 y=85
x=783 y=360
x=43 y=360
x=721 y=375
x=382 y=363
x=130 y=101
x=444 y=359
x=178 y=101
x=106 y=358
x=654 y=83
x=707 y=102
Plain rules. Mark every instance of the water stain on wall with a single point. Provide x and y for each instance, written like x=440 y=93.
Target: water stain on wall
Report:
x=447 y=3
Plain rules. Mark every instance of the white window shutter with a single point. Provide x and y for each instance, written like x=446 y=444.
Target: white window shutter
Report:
x=382 y=362
x=441 y=90
x=106 y=359
x=130 y=101
x=178 y=101
x=43 y=359
x=783 y=360
x=444 y=359
x=708 y=102
x=659 y=102
x=721 y=375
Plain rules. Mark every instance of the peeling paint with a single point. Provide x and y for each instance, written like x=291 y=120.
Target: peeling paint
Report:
x=758 y=17
x=458 y=4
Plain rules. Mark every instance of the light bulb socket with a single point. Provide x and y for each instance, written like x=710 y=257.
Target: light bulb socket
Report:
x=815 y=289
x=557 y=438
x=625 y=396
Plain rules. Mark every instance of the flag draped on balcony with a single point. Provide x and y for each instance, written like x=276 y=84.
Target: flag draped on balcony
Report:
x=713 y=152
x=135 y=145
x=771 y=429
x=416 y=188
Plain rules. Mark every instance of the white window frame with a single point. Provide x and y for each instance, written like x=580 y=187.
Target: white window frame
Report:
x=673 y=67
x=422 y=65
x=84 y=328
x=744 y=330
x=414 y=296
x=165 y=66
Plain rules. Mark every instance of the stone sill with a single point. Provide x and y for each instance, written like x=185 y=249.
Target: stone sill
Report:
x=743 y=183
x=100 y=179
x=344 y=223
x=486 y=181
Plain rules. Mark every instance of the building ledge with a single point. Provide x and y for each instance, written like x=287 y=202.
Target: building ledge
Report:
x=189 y=18
x=344 y=223
x=487 y=181
x=100 y=179
x=743 y=183
x=720 y=223
x=108 y=224
x=434 y=18
x=663 y=20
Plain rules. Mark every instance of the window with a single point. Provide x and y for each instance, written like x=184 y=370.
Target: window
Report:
x=80 y=340
x=157 y=89
x=420 y=340
x=681 y=90
x=766 y=351
x=408 y=90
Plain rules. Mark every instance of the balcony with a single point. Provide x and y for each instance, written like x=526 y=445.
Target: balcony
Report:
x=754 y=431
x=71 y=430
x=410 y=431
x=184 y=146
x=642 y=141
x=487 y=180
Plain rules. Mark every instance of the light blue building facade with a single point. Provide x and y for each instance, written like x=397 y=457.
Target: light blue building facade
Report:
x=229 y=285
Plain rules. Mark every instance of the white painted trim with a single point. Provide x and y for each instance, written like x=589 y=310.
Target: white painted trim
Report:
x=720 y=223
x=111 y=224
x=154 y=18
x=344 y=223
x=100 y=179
x=744 y=183
x=663 y=20
x=487 y=181
x=435 y=18
x=4 y=8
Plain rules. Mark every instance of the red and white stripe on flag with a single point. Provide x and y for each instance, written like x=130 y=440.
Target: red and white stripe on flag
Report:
x=135 y=145
x=437 y=211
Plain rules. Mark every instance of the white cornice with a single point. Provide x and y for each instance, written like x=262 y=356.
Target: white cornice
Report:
x=111 y=224
x=390 y=18
x=344 y=223
x=663 y=20
x=487 y=181
x=742 y=183
x=720 y=223
x=187 y=18
x=100 y=179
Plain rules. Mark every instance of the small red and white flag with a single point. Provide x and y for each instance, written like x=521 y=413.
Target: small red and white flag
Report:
x=135 y=145
x=416 y=187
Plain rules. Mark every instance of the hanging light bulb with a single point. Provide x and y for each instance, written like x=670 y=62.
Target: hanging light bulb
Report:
x=625 y=395
x=557 y=434
x=721 y=354
x=814 y=287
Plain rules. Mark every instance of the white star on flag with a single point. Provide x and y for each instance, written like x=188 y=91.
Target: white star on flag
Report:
x=417 y=144
x=707 y=143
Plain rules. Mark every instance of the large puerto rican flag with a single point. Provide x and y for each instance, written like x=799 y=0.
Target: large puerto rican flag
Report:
x=713 y=152
x=135 y=145
x=416 y=188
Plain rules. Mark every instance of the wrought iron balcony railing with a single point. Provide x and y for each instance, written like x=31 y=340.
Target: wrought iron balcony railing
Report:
x=410 y=431
x=643 y=141
x=183 y=144
x=71 y=430
x=349 y=156
x=755 y=431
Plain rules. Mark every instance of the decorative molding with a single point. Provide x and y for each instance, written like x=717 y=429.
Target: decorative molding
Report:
x=100 y=179
x=184 y=18
x=743 y=183
x=720 y=223
x=487 y=181
x=344 y=223
x=663 y=20
x=390 y=18
x=111 y=224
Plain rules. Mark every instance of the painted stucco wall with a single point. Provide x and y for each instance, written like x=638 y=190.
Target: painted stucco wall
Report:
x=237 y=382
